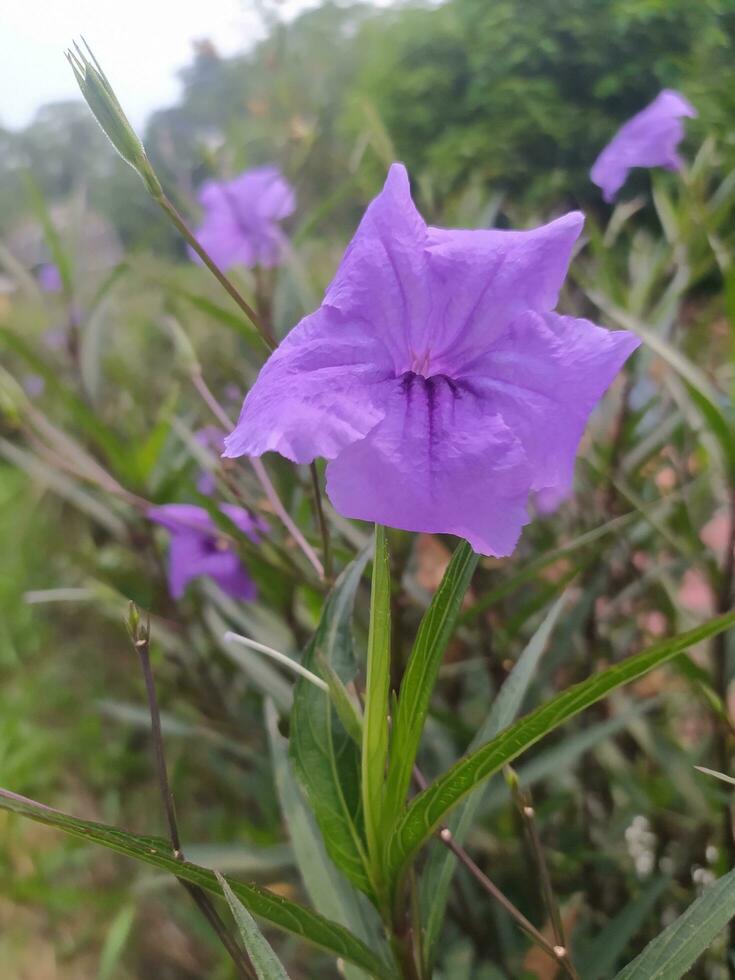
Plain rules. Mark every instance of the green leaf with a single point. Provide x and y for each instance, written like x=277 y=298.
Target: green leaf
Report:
x=377 y=692
x=441 y=864
x=289 y=916
x=418 y=682
x=59 y=255
x=597 y=959
x=330 y=892
x=325 y=757
x=264 y=960
x=115 y=940
x=429 y=808
x=671 y=953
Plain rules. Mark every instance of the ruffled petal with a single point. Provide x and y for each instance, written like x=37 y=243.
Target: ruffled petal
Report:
x=649 y=139
x=544 y=376
x=383 y=276
x=440 y=461
x=484 y=279
x=319 y=391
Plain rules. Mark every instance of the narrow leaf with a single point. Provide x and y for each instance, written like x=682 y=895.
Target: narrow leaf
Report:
x=671 y=953
x=289 y=916
x=264 y=960
x=325 y=757
x=418 y=682
x=377 y=692
x=429 y=808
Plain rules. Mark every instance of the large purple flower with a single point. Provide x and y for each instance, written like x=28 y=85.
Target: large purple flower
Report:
x=241 y=216
x=435 y=376
x=198 y=548
x=649 y=139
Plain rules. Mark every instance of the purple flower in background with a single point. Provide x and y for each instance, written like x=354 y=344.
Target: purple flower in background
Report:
x=198 y=547
x=213 y=439
x=435 y=376
x=649 y=139
x=33 y=385
x=49 y=278
x=241 y=216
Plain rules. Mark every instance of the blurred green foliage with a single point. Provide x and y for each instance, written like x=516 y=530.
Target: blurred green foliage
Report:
x=498 y=108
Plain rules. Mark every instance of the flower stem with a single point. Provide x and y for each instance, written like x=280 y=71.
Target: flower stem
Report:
x=526 y=809
x=490 y=888
x=140 y=636
x=322 y=522
x=176 y=219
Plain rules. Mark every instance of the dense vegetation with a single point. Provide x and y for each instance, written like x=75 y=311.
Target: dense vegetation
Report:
x=498 y=109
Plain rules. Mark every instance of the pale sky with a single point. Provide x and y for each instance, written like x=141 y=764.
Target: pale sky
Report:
x=139 y=43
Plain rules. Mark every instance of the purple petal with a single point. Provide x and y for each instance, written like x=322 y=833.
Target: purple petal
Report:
x=544 y=376
x=182 y=517
x=49 y=278
x=383 y=276
x=649 y=139
x=241 y=215
x=319 y=391
x=487 y=278
x=440 y=461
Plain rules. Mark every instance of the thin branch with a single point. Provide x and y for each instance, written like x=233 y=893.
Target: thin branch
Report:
x=322 y=522
x=558 y=954
x=260 y=472
x=526 y=809
x=227 y=284
x=140 y=637
x=276 y=655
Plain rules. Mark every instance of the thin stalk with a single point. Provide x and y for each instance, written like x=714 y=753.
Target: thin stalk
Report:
x=445 y=835
x=526 y=809
x=322 y=523
x=176 y=219
x=140 y=636
x=262 y=476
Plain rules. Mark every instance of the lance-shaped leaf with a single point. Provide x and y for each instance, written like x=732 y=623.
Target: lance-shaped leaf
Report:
x=430 y=807
x=264 y=960
x=418 y=682
x=670 y=954
x=325 y=757
x=289 y=916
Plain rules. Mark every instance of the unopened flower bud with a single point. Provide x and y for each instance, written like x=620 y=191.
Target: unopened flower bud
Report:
x=108 y=112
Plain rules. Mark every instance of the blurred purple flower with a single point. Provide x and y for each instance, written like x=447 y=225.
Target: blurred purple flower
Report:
x=649 y=139
x=33 y=385
x=49 y=278
x=435 y=376
x=199 y=548
x=212 y=439
x=241 y=216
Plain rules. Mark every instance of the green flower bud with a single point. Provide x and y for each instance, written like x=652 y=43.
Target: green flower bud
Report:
x=108 y=112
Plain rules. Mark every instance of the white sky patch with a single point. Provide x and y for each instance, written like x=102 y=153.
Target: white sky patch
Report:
x=140 y=43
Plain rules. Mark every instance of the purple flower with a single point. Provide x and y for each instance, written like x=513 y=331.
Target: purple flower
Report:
x=49 y=278
x=33 y=385
x=435 y=376
x=213 y=439
x=649 y=139
x=241 y=216
x=198 y=548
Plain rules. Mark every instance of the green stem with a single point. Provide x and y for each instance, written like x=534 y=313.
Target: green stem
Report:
x=377 y=690
x=227 y=284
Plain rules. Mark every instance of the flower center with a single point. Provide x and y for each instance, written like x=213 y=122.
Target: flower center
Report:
x=421 y=364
